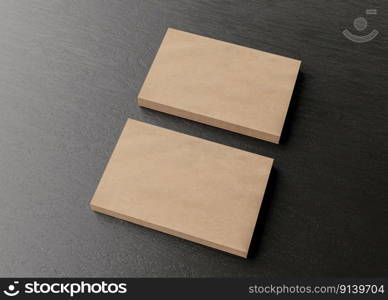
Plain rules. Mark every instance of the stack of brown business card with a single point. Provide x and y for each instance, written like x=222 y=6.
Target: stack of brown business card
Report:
x=185 y=186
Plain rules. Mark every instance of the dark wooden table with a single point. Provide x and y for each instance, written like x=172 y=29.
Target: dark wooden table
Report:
x=70 y=72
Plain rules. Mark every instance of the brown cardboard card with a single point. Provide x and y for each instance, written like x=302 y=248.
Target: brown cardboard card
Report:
x=221 y=84
x=185 y=186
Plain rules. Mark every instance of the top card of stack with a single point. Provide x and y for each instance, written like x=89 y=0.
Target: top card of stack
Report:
x=221 y=84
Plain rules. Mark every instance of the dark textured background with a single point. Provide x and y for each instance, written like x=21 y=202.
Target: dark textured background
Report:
x=70 y=72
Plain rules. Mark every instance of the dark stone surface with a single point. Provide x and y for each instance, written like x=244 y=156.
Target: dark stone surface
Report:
x=69 y=75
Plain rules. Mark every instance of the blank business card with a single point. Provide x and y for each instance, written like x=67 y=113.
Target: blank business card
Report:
x=185 y=186
x=221 y=84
